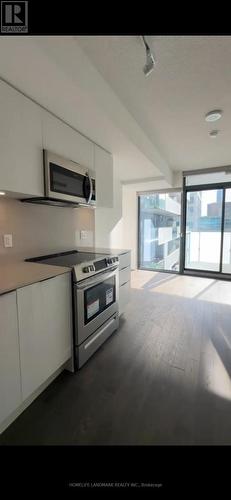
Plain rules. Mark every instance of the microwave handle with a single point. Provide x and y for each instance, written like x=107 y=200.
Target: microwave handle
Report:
x=91 y=187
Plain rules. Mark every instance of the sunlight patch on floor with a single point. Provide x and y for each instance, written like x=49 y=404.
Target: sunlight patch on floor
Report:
x=184 y=286
x=215 y=377
x=139 y=278
x=219 y=293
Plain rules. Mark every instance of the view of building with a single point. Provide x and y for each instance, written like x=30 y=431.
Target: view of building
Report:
x=160 y=231
x=203 y=230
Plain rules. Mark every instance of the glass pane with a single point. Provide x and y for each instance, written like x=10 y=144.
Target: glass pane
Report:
x=65 y=181
x=226 y=264
x=211 y=178
x=159 y=230
x=203 y=230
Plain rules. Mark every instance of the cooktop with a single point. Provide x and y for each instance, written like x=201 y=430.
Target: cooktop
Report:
x=67 y=259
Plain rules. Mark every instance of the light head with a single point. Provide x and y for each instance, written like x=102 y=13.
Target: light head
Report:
x=150 y=61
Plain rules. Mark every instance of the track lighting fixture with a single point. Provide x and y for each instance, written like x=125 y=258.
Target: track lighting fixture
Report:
x=150 y=61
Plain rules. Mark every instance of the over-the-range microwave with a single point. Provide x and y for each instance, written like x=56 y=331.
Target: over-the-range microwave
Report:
x=67 y=180
x=66 y=183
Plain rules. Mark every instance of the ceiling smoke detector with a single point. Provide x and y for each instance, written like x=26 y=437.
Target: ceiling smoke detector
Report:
x=213 y=116
x=150 y=61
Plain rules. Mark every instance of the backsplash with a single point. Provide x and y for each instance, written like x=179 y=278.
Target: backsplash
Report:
x=38 y=229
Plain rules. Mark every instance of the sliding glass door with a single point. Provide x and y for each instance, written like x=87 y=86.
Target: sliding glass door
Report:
x=191 y=237
x=159 y=231
x=226 y=254
x=207 y=229
x=203 y=229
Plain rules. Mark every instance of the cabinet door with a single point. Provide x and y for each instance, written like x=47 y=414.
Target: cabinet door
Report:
x=61 y=139
x=124 y=296
x=10 y=384
x=45 y=329
x=104 y=178
x=124 y=260
x=124 y=276
x=20 y=143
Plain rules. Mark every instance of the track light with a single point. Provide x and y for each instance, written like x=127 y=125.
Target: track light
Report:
x=150 y=61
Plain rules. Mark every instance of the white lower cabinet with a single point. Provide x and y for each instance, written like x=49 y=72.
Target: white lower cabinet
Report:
x=124 y=276
x=124 y=296
x=124 y=280
x=124 y=260
x=45 y=330
x=10 y=383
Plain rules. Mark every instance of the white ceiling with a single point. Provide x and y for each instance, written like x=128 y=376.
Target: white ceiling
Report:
x=192 y=77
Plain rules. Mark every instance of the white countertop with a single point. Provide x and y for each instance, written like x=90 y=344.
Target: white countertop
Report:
x=15 y=275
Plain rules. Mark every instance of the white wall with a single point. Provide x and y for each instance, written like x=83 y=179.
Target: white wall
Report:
x=38 y=229
x=130 y=222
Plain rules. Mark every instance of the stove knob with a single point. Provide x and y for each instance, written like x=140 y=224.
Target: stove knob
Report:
x=109 y=261
x=87 y=269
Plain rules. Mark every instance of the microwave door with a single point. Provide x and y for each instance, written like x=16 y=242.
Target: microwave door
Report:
x=66 y=184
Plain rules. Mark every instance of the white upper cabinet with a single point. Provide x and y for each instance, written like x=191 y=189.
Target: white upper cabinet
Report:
x=10 y=383
x=62 y=140
x=25 y=130
x=104 y=178
x=20 y=143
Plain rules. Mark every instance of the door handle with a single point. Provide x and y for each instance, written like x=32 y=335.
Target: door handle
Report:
x=91 y=187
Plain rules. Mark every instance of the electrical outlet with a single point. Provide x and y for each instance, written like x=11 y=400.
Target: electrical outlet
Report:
x=8 y=242
x=83 y=235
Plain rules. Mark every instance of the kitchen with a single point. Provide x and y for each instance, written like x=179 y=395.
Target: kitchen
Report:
x=107 y=337
x=35 y=225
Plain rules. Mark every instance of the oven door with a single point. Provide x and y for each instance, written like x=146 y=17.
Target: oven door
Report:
x=96 y=300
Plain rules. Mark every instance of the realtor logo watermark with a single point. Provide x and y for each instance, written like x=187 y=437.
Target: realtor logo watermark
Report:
x=14 y=17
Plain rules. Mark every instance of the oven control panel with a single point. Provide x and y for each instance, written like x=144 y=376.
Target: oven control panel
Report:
x=100 y=265
x=111 y=260
x=89 y=269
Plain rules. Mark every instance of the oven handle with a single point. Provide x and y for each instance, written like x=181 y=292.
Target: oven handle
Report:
x=91 y=282
x=100 y=333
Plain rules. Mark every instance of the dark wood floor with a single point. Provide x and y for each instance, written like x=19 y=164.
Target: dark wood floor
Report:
x=162 y=378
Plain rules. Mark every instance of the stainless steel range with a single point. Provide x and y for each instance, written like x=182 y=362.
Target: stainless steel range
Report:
x=95 y=298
